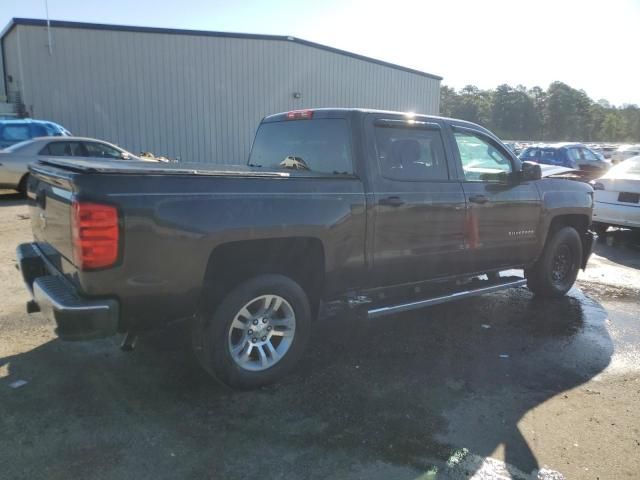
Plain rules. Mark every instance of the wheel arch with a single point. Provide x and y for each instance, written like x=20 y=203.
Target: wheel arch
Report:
x=299 y=258
x=580 y=222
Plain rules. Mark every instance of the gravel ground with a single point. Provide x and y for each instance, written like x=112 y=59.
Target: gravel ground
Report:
x=495 y=386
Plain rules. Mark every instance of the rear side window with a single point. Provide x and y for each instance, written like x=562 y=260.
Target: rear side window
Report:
x=15 y=133
x=319 y=145
x=410 y=154
x=101 y=150
x=58 y=149
x=38 y=130
x=574 y=155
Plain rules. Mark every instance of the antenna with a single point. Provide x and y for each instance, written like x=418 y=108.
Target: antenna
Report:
x=50 y=44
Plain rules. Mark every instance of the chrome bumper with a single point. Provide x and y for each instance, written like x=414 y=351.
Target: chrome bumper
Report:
x=76 y=317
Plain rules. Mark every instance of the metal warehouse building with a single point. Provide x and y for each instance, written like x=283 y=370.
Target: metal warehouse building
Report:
x=195 y=95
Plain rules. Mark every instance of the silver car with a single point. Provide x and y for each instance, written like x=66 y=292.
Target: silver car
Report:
x=15 y=160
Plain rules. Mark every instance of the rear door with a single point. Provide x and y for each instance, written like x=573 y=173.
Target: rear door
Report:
x=503 y=214
x=418 y=208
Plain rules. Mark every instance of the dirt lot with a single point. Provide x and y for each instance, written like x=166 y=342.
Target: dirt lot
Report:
x=496 y=385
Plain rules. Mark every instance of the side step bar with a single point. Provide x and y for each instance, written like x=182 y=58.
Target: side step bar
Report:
x=404 y=307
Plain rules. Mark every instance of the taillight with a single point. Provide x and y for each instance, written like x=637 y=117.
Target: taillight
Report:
x=300 y=115
x=96 y=235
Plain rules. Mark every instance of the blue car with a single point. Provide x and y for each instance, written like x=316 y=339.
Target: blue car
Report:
x=570 y=155
x=19 y=130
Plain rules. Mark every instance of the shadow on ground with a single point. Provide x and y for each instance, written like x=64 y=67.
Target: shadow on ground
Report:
x=9 y=198
x=391 y=398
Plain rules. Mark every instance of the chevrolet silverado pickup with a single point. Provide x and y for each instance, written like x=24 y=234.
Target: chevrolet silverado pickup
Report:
x=337 y=210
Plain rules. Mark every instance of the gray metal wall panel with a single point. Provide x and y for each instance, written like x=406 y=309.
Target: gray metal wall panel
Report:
x=194 y=97
x=12 y=63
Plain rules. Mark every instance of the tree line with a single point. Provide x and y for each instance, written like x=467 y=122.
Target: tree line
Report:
x=560 y=113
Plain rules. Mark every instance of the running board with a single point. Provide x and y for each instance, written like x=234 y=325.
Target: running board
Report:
x=404 y=307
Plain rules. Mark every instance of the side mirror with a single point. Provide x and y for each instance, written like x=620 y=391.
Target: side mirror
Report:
x=530 y=171
x=124 y=156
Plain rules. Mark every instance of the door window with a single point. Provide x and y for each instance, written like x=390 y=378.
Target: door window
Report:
x=588 y=155
x=101 y=150
x=410 y=154
x=574 y=157
x=481 y=161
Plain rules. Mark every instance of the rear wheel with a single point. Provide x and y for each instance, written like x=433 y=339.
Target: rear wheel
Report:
x=256 y=334
x=556 y=270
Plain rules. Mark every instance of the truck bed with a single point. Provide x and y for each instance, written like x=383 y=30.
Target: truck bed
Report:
x=132 y=167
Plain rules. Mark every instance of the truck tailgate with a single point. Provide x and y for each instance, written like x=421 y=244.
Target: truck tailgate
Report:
x=50 y=208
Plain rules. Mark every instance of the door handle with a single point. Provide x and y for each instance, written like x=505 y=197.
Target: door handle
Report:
x=478 y=199
x=391 y=201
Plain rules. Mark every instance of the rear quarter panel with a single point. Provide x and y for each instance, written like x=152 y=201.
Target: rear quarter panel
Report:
x=172 y=224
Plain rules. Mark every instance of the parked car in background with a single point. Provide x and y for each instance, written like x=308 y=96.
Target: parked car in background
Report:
x=15 y=160
x=607 y=151
x=18 y=130
x=624 y=152
x=570 y=155
x=617 y=196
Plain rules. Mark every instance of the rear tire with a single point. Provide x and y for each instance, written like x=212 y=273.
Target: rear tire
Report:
x=257 y=333
x=556 y=270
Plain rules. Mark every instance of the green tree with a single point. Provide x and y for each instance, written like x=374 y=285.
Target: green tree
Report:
x=560 y=113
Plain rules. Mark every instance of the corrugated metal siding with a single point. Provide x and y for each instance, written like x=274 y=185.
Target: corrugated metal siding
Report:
x=12 y=63
x=194 y=97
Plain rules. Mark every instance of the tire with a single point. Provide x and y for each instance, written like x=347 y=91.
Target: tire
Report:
x=22 y=186
x=599 y=228
x=556 y=270
x=264 y=306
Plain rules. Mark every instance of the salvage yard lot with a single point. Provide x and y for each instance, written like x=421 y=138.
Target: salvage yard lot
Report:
x=490 y=385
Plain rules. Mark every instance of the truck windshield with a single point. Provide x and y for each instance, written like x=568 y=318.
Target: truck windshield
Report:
x=320 y=145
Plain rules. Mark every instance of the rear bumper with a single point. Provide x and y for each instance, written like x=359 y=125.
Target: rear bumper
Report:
x=617 y=214
x=76 y=317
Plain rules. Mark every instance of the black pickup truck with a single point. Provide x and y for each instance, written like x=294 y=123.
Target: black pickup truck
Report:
x=367 y=211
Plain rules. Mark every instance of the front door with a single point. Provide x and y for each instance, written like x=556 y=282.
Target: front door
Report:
x=503 y=213
x=418 y=212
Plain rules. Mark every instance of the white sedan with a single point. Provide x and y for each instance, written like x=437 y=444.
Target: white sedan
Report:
x=15 y=160
x=624 y=152
x=617 y=197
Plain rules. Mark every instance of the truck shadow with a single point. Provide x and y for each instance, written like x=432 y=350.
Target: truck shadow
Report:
x=406 y=392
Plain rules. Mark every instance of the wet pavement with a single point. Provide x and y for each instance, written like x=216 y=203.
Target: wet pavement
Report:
x=498 y=386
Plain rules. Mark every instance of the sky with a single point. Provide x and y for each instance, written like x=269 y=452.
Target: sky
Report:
x=590 y=45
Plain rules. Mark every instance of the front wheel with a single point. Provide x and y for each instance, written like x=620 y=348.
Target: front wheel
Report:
x=556 y=270
x=257 y=333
